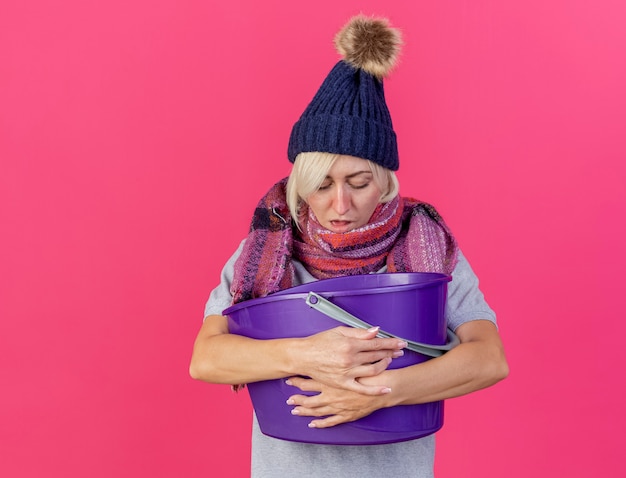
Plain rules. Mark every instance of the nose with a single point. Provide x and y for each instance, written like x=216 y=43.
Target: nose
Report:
x=341 y=201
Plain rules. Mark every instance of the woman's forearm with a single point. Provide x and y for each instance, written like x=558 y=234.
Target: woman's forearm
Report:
x=220 y=357
x=478 y=362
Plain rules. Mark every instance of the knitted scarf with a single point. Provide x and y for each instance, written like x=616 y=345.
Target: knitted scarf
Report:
x=405 y=234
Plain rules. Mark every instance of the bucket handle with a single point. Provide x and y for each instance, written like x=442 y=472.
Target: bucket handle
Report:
x=326 y=307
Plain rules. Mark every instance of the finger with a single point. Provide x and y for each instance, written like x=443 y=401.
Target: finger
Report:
x=371 y=342
x=330 y=421
x=373 y=390
x=304 y=400
x=304 y=384
x=370 y=357
x=309 y=412
x=359 y=333
x=347 y=384
x=379 y=343
x=311 y=406
x=370 y=369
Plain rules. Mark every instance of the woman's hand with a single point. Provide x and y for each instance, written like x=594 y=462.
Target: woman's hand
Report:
x=339 y=356
x=335 y=405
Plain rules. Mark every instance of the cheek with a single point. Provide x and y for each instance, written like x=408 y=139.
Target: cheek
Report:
x=316 y=204
x=371 y=202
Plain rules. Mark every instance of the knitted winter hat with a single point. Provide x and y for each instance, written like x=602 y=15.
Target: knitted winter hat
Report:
x=349 y=115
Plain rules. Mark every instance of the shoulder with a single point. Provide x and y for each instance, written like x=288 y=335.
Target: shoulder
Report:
x=466 y=302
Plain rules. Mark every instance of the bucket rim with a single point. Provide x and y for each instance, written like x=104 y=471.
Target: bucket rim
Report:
x=432 y=277
x=284 y=295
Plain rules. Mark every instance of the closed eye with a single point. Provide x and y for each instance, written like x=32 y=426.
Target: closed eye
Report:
x=359 y=186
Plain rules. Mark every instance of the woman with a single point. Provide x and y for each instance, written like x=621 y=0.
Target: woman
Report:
x=338 y=214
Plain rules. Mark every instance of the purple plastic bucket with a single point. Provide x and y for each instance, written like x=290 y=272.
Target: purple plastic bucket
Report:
x=409 y=305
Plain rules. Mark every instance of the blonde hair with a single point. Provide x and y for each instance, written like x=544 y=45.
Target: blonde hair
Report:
x=311 y=168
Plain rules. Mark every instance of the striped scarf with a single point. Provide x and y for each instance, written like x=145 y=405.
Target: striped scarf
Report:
x=404 y=234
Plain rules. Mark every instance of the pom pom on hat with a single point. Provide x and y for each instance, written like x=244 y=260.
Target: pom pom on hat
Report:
x=369 y=44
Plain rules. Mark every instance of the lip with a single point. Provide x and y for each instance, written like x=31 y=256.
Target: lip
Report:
x=340 y=225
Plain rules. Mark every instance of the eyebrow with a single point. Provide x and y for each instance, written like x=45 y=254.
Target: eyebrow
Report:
x=350 y=176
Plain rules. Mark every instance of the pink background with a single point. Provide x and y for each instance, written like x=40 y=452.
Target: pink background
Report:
x=136 y=137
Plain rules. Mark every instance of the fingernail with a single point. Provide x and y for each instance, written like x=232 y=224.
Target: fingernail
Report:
x=291 y=401
x=398 y=353
x=386 y=390
x=374 y=329
x=288 y=382
x=311 y=425
x=295 y=411
x=402 y=344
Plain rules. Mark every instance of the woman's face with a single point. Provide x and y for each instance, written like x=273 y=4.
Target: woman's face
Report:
x=347 y=197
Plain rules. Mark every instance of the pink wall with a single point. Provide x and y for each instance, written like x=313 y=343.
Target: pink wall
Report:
x=125 y=128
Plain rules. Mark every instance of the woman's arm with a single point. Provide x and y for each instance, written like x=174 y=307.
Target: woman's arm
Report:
x=476 y=363
x=336 y=357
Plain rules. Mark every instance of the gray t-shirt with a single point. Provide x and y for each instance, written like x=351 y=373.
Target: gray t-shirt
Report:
x=272 y=457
